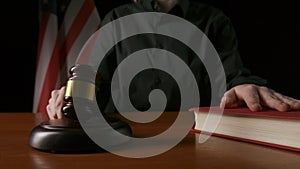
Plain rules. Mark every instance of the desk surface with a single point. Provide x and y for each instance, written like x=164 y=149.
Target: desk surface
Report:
x=15 y=152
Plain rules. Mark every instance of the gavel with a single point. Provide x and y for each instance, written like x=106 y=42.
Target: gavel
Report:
x=66 y=135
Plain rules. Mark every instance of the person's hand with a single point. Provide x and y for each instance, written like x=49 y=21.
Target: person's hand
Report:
x=55 y=104
x=257 y=97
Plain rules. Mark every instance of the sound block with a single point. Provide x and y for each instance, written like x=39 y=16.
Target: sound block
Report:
x=67 y=136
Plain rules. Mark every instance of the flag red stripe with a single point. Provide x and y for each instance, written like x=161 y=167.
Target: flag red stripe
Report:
x=77 y=25
x=86 y=53
x=59 y=56
x=60 y=51
x=45 y=20
x=50 y=80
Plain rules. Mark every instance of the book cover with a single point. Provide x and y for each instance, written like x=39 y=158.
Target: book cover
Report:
x=267 y=127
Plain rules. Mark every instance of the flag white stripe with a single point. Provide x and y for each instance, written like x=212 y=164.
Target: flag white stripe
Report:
x=70 y=15
x=89 y=28
x=48 y=45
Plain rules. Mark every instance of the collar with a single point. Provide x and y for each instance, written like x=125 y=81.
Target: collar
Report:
x=151 y=5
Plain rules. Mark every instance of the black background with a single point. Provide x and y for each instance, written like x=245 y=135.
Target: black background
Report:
x=268 y=34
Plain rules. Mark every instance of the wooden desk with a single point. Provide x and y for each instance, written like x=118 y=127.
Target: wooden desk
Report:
x=15 y=152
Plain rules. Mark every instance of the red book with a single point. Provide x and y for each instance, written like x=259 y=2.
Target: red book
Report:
x=268 y=127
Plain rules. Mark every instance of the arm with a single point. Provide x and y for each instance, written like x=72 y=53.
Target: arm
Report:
x=245 y=89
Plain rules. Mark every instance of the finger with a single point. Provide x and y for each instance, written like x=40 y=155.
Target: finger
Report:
x=55 y=103
x=251 y=97
x=59 y=115
x=58 y=110
x=53 y=99
x=61 y=93
x=49 y=108
x=230 y=100
x=60 y=101
x=269 y=99
x=223 y=102
x=59 y=98
x=49 y=112
x=293 y=103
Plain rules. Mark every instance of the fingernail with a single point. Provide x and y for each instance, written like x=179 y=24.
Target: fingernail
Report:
x=223 y=102
x=257 y=107
x=285 y=107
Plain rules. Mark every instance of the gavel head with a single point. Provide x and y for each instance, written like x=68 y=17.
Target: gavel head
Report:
x=81 y=84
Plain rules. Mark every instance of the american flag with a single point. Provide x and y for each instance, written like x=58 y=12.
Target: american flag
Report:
x=65 y=25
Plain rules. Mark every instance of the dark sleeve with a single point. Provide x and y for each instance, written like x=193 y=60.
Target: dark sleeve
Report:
x=225 y=42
